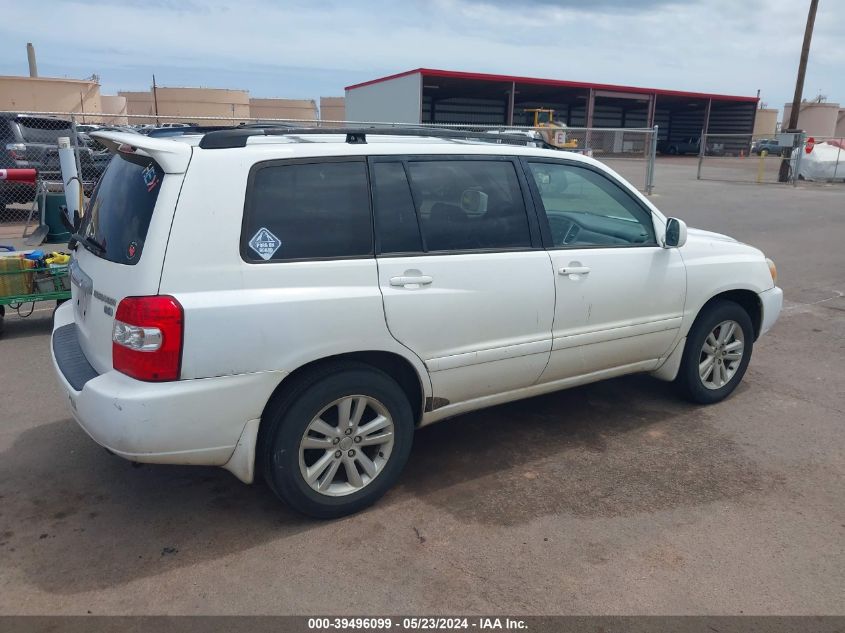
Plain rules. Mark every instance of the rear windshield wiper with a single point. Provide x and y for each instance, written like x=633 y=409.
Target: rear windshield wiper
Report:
x=89 y=241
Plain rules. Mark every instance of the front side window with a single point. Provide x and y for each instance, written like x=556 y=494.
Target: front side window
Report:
x=585 y=208
x=307 y=211
x=469 y=205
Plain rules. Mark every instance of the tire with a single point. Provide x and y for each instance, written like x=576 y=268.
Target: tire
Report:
x=673 y=151
x=716 y=386
x=287 y=423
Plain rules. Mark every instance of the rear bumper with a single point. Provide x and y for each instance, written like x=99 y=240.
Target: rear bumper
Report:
x=196 y=421
x=772 y=303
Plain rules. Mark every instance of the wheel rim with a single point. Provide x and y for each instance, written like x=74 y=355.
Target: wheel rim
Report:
x=721 y=354
x=346 y=445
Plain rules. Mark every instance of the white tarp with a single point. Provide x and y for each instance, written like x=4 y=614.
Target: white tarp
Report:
x=825 y=162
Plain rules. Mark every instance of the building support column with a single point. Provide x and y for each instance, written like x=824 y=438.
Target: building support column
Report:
x=511 y=97
x=652 y=106
x=591 y=104
x=706 y=127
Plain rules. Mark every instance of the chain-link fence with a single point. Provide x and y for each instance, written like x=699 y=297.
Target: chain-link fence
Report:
x=30 y=141
x=777 y=158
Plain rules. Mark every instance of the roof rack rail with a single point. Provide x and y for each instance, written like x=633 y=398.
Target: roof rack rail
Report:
x=237 y=137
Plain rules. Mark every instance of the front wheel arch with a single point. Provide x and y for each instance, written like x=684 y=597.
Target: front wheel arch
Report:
x=747 y=299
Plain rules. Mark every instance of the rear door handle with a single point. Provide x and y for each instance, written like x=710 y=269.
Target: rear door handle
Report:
x=574 y=270
x=415 y=280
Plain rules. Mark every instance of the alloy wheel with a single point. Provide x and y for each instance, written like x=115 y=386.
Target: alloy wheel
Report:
x=721 y=354
x=346 y=445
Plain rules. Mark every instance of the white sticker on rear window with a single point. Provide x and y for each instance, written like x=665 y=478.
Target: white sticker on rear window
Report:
x=265 y=243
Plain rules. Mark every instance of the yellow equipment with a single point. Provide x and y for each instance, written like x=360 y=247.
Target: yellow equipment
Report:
x=556 y=132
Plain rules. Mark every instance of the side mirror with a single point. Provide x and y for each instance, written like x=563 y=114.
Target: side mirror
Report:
x=676 y=233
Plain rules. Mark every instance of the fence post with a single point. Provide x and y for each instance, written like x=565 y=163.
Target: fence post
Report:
x=801 y=142
x=75 y=141
x=702 y=145
x=652 y=153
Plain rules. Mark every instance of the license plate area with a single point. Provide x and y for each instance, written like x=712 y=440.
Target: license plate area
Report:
x=82 y=288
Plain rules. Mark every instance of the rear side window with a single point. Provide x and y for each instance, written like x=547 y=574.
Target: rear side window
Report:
x=119 y=213
x=307 y=211
x=469 y=205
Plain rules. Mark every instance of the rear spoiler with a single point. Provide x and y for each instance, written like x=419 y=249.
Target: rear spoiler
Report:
x=173 y=156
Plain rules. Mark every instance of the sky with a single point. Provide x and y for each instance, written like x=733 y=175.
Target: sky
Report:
x=308 y=49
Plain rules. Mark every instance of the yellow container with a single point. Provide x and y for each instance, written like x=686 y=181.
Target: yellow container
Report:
x=19 y=282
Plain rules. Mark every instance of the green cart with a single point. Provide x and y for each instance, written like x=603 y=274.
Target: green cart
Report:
x=28 y=285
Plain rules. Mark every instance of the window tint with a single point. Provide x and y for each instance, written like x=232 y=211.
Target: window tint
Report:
x=469 y=204
x=396 y=220
x=306 y=211
x=585 y=208
x=119 y=213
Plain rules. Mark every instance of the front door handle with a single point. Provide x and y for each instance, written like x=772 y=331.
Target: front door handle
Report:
x=574 y=270
x=414 y=280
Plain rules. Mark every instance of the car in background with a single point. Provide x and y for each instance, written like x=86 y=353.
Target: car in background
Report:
x=171 y=132
x=771 y=146
x=689 y=145
x=31 y=142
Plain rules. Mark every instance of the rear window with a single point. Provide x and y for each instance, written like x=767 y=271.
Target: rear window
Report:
x=307 y=211
x=119 y=213
x=42 y=130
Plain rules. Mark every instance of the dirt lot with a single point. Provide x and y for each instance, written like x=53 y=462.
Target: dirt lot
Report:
x=613 y=498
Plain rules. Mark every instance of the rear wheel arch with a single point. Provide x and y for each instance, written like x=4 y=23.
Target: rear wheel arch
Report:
x=392 y=364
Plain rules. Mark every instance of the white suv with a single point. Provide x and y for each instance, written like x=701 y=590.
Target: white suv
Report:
x=297 y=302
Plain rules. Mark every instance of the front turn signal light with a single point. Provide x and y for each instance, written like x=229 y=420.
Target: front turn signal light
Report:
x=773 y=270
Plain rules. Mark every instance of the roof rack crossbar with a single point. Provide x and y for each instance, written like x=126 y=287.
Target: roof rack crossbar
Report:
x=237 y=137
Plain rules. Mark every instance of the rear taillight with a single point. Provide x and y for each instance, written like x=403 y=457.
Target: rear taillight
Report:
x=147 y=338
x=16 y=150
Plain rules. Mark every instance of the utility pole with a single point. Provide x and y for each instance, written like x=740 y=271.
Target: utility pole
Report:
x=802 y=65
x=155 y=98
x=783 y=176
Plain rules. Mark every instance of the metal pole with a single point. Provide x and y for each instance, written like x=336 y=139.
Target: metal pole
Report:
x=511 y=98
x=591 y=103
x=801 y=142
x=155 y=99
x=76 y=151
x=651 y=164
x=838 y=154
x=701 y=145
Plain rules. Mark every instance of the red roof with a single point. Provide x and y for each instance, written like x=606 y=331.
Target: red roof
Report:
x=433 y=72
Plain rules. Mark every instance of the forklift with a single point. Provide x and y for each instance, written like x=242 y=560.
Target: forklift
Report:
x=555 y=132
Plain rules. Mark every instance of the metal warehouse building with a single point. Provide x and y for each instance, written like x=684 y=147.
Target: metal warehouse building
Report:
x=426 y=95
